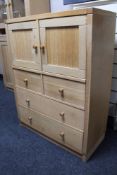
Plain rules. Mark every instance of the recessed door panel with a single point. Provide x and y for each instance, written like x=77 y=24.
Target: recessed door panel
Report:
x=63 y=46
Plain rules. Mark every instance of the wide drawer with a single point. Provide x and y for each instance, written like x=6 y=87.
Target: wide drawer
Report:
x=28 y=80
x=67 y=91
x=53 y=129
x=55 y=110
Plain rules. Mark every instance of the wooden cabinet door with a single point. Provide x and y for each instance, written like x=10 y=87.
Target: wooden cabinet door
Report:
x=7 y=65
x=63 y=46
x=24 y=40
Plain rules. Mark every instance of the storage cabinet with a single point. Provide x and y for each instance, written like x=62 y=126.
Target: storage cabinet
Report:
x=33 y=7
x=68 y=35
x=61 y=86
x=22 y=8
x=7 y=70
x=5 y=59
x=15 y=8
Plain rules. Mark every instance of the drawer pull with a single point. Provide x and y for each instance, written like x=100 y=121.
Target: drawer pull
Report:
x=36 y=48
x=62 y=114
x=61 y=91
x=62 y=135
x=30 y=119
x=28 y=102
x=9 y=4
x=26 y=82
x=42 y=48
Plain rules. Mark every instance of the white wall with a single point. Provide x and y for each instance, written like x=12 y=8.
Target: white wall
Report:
x=110 y=7
x=57 y=5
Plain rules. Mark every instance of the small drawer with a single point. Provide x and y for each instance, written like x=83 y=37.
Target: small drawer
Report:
x=65 y=90
x=28 y=80
x=55 y=110
x=53 y=129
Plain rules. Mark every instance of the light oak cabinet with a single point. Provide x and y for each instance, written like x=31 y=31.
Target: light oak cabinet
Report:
x=33 y=7
x=7 y=69
x=62 y=84
x=22 y=8
x=5 y=59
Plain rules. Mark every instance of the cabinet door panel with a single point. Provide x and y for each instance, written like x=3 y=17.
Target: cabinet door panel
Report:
x=63 y=46
x=7 y=65
x=24 y=38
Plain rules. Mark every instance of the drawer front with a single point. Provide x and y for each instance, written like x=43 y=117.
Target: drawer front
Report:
x=55 y=110
x=28 y=80
x=53 y=129
x=65 y=90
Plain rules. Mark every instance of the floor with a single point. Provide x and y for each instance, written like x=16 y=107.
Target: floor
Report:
x=23 y=152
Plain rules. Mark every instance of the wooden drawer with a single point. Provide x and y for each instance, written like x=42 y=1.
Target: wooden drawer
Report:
x=65 y=90
x=28 y=80
x=55 y=110
x=53 y=129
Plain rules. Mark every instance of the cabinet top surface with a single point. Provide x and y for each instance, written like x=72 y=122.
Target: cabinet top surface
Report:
x=61 y=14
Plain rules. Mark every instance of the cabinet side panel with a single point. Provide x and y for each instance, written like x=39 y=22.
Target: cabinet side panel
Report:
x=99 y=84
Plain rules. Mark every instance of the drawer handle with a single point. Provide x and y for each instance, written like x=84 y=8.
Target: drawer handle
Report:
x=61 y=91
x=30 y=119
x=9 y=4
x=28 y=102
x=36 y=48
x=42 y=47
x=62 y=135
x=62 y=114
x=26 y=82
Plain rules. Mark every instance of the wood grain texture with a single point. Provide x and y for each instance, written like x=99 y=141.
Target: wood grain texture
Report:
x=7 y=61
x=63 y=38
x=63 y=14
x=25 y=45
x=52 y=129
x=36 y=7
x=29 y=80
x=73 y=92
x=72 y=116
x=77 y=111
x=68 y=35
x=99 y=76
x=7 y=70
